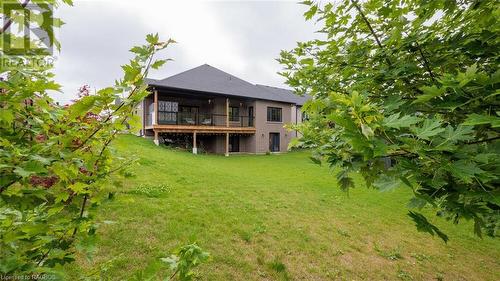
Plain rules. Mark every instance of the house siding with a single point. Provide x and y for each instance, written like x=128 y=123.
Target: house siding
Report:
x=263 y=127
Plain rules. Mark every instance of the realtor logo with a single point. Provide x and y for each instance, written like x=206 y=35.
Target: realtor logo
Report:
x=27 y=29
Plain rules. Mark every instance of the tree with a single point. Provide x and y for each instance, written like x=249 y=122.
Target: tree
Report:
x=55 y=160
x=406 y=94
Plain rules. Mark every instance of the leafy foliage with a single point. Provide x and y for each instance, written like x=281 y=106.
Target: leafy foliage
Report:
x=185 y=260
x=405 y=92
x=55 y=160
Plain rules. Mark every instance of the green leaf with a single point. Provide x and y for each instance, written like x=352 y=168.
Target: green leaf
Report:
x=55 y=209
x=81 y=107
x=311 y=12
x=61 y=196
x=387 y=183
x=417 y=203
x=367 y=131
x=157 y=64
x=6 y=116
x=34 y=228
x=29 y=168
x=152 y=38
x=78 y=187
x=461 y=133
x=481 y=119
x=429 y=128
x=423 y=225
x=464 y=170
x=143 y=51
x=394 y=121
x=344 y=181
x=429 y=93
x=315 y=160
x=307 y=61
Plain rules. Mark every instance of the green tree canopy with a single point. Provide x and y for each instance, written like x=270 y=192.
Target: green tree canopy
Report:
x=55 y=161
x=406 y=93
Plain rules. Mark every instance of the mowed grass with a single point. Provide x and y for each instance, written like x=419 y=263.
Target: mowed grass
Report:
x=277 y=217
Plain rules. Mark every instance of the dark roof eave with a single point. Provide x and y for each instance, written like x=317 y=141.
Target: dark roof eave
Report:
x=215 y=93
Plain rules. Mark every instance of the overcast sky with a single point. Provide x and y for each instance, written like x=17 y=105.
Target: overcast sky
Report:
x=240 y=37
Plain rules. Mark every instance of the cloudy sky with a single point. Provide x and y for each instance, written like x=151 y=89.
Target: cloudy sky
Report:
x=240 y=37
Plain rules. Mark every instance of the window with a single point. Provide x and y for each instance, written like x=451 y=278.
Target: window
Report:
x=274 y=114
x=234 y=113
x=167 y=112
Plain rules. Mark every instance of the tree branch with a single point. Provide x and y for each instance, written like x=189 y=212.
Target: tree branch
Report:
x=372 y=31
x=118 y=108
x=484 y=140
x=425 y=62
x=85 y=197
x=9 y=184
x=356 y=5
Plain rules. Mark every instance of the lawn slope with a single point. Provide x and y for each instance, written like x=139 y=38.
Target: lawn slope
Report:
x=277 y=217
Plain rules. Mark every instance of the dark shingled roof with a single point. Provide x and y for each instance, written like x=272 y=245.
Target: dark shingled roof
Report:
x=206 y=78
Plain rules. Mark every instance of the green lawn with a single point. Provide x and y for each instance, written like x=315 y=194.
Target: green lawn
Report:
x=277 y=217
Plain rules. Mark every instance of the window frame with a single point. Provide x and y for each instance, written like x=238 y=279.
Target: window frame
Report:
x=278 y=112
x=232 y=116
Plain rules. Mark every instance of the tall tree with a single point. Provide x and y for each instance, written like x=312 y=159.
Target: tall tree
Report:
x=405 y=92
x=55 y=160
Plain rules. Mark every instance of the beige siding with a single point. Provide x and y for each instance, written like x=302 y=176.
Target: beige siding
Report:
x=220 y=143
x=263 y=127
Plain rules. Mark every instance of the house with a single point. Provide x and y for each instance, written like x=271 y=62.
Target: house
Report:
x=216 y=112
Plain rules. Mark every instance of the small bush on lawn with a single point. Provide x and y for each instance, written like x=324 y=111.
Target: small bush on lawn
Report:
x=153 y=191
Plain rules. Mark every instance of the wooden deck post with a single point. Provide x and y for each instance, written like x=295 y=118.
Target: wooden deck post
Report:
x=195 y=148
x=227 y=112
x=227 y=145
x=155 y=115
x=156 y=140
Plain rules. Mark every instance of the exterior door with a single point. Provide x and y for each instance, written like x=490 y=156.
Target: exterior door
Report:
x=234 y=144
x=274 y=142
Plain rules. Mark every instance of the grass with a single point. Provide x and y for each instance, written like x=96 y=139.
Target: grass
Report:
x=274 y=217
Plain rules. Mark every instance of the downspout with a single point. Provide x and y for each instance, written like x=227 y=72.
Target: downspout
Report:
x=296 y=120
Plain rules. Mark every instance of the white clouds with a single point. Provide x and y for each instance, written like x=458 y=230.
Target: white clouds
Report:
x=240 y=37
x=194 y=25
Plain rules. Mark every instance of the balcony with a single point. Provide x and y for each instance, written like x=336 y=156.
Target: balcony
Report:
x=203 y=119
x=187 y=122
x=181 y=114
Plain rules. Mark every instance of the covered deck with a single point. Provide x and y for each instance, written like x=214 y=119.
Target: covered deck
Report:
x=168 y=112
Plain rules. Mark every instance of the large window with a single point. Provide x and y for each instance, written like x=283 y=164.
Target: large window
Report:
x=234 y=113
x=274 y=114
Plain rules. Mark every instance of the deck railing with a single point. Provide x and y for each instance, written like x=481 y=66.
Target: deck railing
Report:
x=202 y=119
